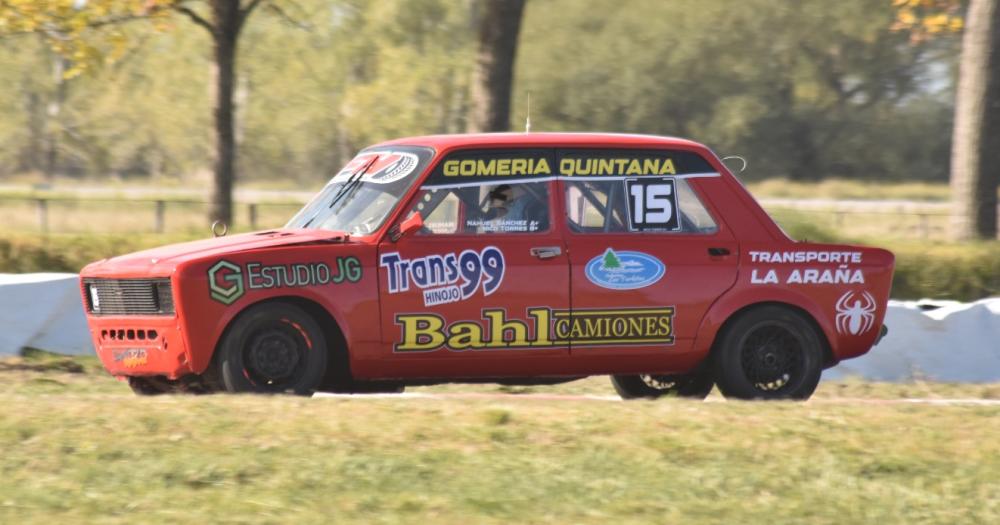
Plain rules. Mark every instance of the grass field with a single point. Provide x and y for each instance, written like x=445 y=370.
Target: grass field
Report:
x=78 y=447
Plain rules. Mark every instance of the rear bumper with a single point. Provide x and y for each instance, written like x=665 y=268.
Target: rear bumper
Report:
x=140 y=345
x=882 y=332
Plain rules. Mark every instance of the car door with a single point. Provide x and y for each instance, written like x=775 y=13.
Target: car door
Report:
x=647 y=257
x=473 y=292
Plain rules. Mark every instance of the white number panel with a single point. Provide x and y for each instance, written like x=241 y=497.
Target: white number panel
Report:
x=652 y=204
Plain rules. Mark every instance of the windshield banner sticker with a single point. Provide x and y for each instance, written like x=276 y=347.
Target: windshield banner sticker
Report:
x=227 y=281
x=624 y=270
x=493 y=166
x=388 y=166
x=447 y=278
x=545 y=328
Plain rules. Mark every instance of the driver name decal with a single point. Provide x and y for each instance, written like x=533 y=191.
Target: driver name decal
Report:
x=447 y=278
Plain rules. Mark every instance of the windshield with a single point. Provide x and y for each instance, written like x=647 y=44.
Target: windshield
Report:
x=363 y=194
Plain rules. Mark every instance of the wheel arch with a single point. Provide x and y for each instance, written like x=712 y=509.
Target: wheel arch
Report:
x=338 y=357
x=724 y=313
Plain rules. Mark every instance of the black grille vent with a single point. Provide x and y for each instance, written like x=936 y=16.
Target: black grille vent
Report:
x=129 y=296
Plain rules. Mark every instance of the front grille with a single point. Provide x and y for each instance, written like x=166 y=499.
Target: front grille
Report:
x=129 y=296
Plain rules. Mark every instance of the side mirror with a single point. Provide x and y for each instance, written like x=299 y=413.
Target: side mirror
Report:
x=409 y=225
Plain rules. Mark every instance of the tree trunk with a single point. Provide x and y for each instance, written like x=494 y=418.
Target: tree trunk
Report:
x=499 y=25
x=226 y=22
x=975 y=155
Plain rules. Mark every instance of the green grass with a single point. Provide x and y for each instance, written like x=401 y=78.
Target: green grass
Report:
x=89 y=451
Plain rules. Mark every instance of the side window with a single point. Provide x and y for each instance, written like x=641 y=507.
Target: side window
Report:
x=636 y=205
x=485 y=209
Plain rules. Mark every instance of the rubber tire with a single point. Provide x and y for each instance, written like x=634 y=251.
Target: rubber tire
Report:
x=727 y=365
x=142 y=386
x=694 y=386
x=230 y=362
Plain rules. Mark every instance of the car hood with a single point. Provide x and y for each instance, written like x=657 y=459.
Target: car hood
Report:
x=162 y=261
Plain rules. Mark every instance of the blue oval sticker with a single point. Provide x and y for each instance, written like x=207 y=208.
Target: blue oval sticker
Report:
x=624 y=270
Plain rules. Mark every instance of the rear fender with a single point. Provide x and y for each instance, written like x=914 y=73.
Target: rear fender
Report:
x=741 y=298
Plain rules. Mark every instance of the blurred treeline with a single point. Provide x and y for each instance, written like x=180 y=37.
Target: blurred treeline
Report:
x=803 y=90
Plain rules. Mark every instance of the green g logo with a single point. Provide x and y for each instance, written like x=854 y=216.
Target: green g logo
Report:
x=225 y=281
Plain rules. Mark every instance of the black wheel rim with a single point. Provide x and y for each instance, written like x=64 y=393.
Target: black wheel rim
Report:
x=661 y=383
x=275 y=355
x=771 y=354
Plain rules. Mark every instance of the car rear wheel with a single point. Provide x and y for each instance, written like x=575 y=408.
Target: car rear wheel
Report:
x=769 y=352
x=273 y=348
x=647 y=386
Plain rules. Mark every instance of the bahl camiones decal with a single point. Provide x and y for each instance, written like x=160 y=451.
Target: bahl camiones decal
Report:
x=227 y=282
x=542 y=328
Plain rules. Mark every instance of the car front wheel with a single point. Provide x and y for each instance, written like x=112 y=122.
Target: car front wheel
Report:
x=769 y=352
x=648 y=386
x=273 y=348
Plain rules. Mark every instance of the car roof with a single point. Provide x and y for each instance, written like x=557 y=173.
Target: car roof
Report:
x=446 y=142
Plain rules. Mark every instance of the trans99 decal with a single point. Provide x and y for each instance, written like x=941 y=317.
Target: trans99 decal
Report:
x=445 y=278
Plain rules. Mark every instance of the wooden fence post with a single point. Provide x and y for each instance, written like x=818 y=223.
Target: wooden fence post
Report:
x=252 y=210
x=43 y=215
x=161 y=216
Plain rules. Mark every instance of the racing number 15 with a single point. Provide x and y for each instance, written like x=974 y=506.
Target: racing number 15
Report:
x=652 y=204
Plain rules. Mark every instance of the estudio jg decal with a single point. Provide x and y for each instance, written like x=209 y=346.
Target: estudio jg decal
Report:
x=855 y=313
x=227 y=282
x=624 y=270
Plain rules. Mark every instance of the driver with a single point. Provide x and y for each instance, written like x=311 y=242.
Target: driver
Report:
x=508 y=209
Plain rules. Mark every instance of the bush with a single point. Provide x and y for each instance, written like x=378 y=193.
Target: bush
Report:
x=70 y=253
x=963 y=272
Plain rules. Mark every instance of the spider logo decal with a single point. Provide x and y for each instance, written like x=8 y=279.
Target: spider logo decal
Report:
x=855 y=313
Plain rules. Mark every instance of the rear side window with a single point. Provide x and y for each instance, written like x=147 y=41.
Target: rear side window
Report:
x=658 y=205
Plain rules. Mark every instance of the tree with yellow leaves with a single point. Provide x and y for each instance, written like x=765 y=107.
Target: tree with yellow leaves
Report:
x=88 y=32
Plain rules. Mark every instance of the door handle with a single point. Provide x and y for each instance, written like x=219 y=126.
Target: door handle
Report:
x=546 y=252
x=718 y=252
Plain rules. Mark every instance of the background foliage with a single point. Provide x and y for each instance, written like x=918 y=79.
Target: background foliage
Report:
x=804 y=91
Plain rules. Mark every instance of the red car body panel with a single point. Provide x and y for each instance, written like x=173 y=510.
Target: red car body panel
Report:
x=708 y=278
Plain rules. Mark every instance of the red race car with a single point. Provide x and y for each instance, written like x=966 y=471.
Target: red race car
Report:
x=508 y=258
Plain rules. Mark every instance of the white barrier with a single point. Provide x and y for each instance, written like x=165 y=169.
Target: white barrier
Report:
x=957 y=342
x=42 y=310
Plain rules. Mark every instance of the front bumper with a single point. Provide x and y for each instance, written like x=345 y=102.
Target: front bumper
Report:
x=140 y=345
